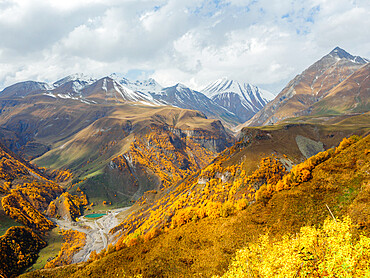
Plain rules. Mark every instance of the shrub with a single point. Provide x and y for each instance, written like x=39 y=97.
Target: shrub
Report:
x=330 y=251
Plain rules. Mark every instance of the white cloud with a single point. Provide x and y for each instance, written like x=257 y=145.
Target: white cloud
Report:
x=192 y=42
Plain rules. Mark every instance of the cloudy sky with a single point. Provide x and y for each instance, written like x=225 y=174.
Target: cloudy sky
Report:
x=194 y=42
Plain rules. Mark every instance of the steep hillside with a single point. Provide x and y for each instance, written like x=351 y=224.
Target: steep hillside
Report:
x=350 y=96
x=18 y=248
x=184 y=97
x=310 y=86
x=275 y=149
x=34 y=124
x=137 y=148
x=243 y=99
x=25 y=193
x=200 y=237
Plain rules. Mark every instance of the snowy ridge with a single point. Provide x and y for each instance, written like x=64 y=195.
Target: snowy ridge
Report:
x=244 y=90
x=115 y=91
x=340 y=53
x=126 y=93
x=183 y=97
x=147 y=87
x=78 y=78
x=243 y=99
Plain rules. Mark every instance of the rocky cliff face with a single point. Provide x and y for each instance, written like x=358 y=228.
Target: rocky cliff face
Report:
x=164 y=155
x=215 y=141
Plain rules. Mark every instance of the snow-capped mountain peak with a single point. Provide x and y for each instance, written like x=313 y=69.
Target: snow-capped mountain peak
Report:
x=243 y=99
x=180 y=86
x=340 y=53
x=225 y=85
x=146 y=87
x=79 y=77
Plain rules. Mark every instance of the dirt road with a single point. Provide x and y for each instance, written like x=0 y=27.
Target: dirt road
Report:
x=97 y=232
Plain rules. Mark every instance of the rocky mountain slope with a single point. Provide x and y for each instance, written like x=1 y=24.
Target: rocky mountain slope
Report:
x=243 y=99
x=184 y=97
x=114 y=89
x=309 y=87
x=350 y=96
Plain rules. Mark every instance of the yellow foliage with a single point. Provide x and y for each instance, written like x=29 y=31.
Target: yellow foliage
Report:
x=73 y=242
x=331 y=251
x=170 y=162
x=217 y=191
x=301 y=172
x=225 y=191
x=19 y=247
x=60 y=175
x=18 y=206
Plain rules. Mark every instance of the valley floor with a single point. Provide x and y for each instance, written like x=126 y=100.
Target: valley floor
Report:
x=97 y=232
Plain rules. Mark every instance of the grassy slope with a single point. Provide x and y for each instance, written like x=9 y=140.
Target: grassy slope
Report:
x=5 y=221
x=203 y=248
x=89 y=152
x=54 y=240
x=357 y=123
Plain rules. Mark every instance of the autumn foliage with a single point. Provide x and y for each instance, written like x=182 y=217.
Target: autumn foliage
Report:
x=26 y=202
x=171 y=158
x=73 y=242
x=28 y=193
x=59 y=175
x=19 y=247
x=302 y=172
x=329 y=251
x=216 y=191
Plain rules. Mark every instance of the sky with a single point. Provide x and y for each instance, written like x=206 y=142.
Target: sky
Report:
x=193 y=42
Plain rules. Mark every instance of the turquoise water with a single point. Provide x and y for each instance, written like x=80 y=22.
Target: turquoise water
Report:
x=95 y=215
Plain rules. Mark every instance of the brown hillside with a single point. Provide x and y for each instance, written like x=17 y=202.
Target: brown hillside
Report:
x=204 y=247
x=307 y=88
x=350 y=96
x=138 y=148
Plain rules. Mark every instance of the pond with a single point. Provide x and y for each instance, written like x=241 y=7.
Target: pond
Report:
x=95 y=215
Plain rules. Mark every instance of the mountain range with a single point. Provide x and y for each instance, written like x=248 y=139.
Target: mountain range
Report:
x=184 y=193
x=116 y=89
x=244 y=100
